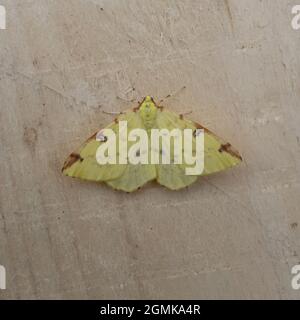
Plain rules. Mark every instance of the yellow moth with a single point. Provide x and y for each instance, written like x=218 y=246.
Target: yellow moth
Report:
x=105 y=156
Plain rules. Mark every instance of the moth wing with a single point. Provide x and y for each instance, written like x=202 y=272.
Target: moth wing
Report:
x=134 y=175
x=83 y=163
x=218 y=155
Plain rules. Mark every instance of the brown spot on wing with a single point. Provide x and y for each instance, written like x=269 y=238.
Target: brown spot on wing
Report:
x=74 y=157
x=227 y=147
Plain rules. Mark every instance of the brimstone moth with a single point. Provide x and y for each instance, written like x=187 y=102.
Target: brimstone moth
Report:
x=218 y=154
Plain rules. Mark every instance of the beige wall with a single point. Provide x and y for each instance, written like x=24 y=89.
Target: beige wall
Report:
x=231 y=235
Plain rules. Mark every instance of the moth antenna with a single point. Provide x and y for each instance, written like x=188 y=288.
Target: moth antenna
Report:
x=171 y=95
x=126 y=100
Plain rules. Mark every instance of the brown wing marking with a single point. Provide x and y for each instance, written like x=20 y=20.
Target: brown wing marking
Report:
x=225 y=147
x=74 y=157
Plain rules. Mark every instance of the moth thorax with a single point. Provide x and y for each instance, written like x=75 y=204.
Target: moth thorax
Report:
x=148 y=112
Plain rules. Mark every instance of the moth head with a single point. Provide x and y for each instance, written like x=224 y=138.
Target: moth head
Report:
x=148 y=109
